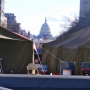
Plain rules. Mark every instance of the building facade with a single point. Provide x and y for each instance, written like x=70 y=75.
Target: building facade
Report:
x=24 y=33
x=3 y=20
x=4 y=24
x=12 y=24
x=84 y=7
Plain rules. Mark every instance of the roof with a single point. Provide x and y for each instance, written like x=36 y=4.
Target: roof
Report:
x=6 y=34
x=21 y=36
x=74 y=40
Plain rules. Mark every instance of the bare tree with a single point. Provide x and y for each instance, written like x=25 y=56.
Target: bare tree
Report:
x=78 y=23
x=68 y=24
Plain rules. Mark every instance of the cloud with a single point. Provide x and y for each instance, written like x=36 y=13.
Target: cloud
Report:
x=50 y=18
x=64 y=11
x=54 y=19
x=74 y=8
x=11 y=10
x=32 y=23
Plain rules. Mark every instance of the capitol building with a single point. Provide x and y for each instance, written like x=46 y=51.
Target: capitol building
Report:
x=45 y=32
x=44 y=35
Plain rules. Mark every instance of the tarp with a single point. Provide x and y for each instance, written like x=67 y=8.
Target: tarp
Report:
x=16 y=52
x=74 y=47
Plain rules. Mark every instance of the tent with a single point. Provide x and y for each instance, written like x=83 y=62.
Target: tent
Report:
x=71 y=48
x=16 y=52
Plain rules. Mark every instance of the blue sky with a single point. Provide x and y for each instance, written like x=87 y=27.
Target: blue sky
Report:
x=31 y=13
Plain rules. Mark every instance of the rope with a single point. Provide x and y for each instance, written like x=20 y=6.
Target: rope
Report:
x=38 y=57
x=51 y=54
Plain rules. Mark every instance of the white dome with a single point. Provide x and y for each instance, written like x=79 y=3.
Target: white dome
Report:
x=45 y=29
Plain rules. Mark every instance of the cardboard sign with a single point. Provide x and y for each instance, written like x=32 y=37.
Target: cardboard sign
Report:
x=66 y=72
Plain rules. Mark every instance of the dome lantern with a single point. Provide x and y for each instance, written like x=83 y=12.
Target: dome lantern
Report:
x=45 y=20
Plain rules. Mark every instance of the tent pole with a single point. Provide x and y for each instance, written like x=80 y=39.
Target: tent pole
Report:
x=33 y=70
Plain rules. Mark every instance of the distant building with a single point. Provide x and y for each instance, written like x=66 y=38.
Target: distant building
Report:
x=44 y=36
x=4 y=24
x=24 y=33
x=44 y=32
x=3 y=20
x=12 y=24
x=84 y=7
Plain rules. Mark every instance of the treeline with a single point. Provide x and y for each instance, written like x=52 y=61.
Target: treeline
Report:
x=77 y=25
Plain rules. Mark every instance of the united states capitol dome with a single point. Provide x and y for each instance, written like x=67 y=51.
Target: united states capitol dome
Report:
x=45 y=30
x=45 y=25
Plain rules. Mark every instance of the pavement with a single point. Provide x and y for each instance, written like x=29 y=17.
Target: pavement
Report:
x=46 y=82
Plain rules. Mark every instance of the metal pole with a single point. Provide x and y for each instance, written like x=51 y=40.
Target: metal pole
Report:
x=33 y=70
